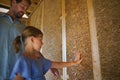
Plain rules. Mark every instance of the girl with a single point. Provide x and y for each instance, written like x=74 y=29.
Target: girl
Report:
x=32 y=65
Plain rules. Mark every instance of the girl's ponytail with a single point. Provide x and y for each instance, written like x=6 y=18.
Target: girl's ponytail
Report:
x=17 y=44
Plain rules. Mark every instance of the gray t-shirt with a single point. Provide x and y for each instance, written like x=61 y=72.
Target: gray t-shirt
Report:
x=9 y=29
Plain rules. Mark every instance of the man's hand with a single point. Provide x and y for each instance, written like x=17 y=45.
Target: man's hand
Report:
x=18 y=77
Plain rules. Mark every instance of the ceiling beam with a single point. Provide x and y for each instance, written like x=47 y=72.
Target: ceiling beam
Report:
x=5 y=3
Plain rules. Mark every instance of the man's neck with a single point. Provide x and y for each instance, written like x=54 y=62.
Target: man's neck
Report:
x=11 y=14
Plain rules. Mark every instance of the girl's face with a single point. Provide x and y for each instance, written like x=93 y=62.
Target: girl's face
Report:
x=37 y=43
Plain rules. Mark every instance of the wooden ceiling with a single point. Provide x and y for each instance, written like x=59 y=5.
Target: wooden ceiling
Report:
x=35 y=3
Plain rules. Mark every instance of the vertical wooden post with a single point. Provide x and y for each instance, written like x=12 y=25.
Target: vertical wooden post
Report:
x=65 y=76
x=94 y=42
x=42 y=17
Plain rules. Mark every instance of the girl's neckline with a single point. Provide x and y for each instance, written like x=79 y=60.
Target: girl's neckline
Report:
x=33 y=56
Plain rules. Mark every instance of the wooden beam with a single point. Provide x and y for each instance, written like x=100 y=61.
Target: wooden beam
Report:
x=64 y=57
x=94 y=41
x=5 y=3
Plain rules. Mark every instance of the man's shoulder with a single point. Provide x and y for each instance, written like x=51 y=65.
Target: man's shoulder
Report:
x=2 y=14
x=3 y=17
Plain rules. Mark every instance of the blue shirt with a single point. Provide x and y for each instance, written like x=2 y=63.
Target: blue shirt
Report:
x=9 y=29
x=31 y=69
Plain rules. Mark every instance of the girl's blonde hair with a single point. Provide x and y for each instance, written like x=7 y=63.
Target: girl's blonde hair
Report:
x=27 y=32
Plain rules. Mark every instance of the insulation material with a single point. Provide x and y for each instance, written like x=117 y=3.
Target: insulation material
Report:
x=35 y=19
x=107 y=14
x=52 y=23
x=78 y=39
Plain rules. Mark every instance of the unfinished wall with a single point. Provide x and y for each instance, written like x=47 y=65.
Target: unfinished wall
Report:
x=78 y=38
x=77 y=33
x=35 y=18
x=52 y=48
x=107 y=14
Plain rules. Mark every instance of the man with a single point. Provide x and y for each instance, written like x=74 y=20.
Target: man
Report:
x=10 y=27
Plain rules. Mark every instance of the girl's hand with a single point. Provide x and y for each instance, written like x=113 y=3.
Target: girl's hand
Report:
x=78 y=58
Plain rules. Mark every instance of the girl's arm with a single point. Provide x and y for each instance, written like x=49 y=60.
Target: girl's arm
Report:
x=64 y=64
x=78 y=60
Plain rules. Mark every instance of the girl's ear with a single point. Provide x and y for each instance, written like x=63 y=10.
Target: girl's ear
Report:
x=32 y=39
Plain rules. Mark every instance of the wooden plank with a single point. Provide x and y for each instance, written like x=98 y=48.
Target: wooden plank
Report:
x=5 y=3
x=64 y=58
x=94 y=42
